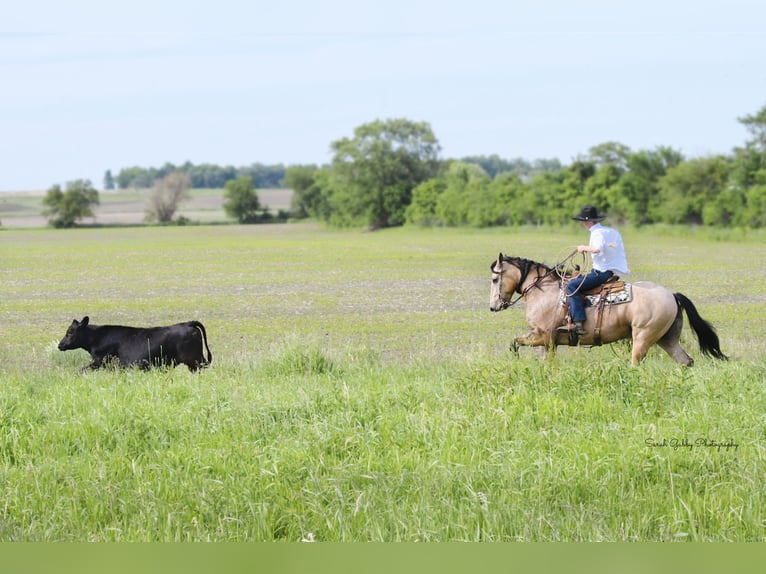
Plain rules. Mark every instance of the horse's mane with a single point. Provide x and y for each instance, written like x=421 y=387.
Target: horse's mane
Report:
x=523 y=264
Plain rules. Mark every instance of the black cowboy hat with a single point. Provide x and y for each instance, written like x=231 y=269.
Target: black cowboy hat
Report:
x=589 y=213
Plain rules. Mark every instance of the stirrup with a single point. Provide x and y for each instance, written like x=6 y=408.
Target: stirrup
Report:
x=572 y=328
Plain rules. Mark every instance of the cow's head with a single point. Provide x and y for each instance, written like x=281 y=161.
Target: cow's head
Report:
x=75 y=335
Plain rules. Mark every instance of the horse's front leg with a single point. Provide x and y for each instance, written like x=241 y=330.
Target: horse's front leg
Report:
x=532 y=339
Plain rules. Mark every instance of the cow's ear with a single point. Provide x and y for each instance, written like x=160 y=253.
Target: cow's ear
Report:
x=84 y=320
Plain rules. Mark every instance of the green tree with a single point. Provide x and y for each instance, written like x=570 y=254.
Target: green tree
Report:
x=422 y=209
x=572 y=193
x=748 y=173
x=689 y=187
x=754 y=213
x=610 y=153
x=374 y=173
x=756 y=125
x=509 y=194
x=637 y=192
x=66 y=208
x=454 y=204
x=307 y=194
x=137 y=177
x=166 y=196
x=241 y=200
x=541 y=198
x=602 y=189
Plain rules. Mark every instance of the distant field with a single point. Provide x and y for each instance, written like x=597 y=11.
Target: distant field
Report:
x=361 y=390
x=22 y=209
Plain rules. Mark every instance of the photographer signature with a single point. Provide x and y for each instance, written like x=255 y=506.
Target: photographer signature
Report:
x=685 y=443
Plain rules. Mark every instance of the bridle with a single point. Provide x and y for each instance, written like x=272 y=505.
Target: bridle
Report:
x=524 y=271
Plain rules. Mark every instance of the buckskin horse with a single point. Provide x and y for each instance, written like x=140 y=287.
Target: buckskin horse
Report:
x=653 y=314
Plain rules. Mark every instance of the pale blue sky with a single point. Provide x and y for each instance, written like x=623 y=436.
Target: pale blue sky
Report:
x=91 y=85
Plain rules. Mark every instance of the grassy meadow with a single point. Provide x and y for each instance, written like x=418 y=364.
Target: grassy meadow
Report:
x=361 y=390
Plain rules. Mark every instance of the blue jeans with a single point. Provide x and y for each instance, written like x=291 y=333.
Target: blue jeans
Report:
x=580 y=284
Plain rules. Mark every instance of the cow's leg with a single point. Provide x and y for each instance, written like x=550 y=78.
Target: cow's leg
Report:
x=96 y=363
x=143 y=364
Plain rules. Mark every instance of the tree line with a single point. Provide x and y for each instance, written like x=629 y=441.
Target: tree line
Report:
x=390 y=173
x=202 y=176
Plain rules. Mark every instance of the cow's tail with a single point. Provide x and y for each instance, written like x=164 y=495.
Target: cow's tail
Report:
x=201 y=327
x=706 y=335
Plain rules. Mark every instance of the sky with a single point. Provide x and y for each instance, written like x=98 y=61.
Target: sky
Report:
x=88 y=86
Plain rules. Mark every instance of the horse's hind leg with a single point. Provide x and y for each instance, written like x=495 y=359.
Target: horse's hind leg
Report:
x=671 y=342
x=643 y=339
x=640 y=348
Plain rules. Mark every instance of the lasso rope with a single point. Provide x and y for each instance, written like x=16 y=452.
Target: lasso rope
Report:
x=566 y=273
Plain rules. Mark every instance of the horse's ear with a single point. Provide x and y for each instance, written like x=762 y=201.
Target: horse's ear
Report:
x=500 y=257
x=84 y=321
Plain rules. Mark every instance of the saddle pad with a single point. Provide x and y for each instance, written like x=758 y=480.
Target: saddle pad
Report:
x=613 y=296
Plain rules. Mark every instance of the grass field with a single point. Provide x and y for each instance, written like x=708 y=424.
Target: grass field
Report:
x=362 y=391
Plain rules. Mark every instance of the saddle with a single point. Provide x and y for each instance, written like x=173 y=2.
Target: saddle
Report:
x=610 y=285
x=611 y=292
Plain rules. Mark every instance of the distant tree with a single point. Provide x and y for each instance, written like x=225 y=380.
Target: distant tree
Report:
x=206 y=175
x=210 y=176
x=306 y=193
x=374 y=173
x=137 y=177
x=65 y=208
x=166 y=195
x=690 y=192
x=636 y=195
x=509 y=192
x=264 y=176
x=542 y=198
x=602 y=189
x=610 y=153
x=754 y=213
x=756 y=125
x=453 y=205
x=495 y=165
x=108 y=180
x=241 y=201
x=748 y=173
x=422 y=209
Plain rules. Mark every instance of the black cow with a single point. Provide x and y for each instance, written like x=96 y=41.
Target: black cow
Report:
x=141 y=347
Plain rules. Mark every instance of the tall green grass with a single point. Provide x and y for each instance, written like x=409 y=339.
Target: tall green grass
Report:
x=361 y=390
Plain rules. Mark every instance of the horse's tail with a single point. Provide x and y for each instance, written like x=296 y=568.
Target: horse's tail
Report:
x=706 y=335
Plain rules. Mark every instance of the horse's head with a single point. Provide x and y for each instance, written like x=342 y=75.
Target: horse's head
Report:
x=505 y=280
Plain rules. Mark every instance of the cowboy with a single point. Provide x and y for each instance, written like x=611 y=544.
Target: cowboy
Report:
x=608 y=255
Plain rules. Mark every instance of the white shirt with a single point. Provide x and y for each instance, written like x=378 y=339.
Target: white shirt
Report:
x=611 y=255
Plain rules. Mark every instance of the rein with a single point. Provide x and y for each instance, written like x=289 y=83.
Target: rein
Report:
x=525 y=273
